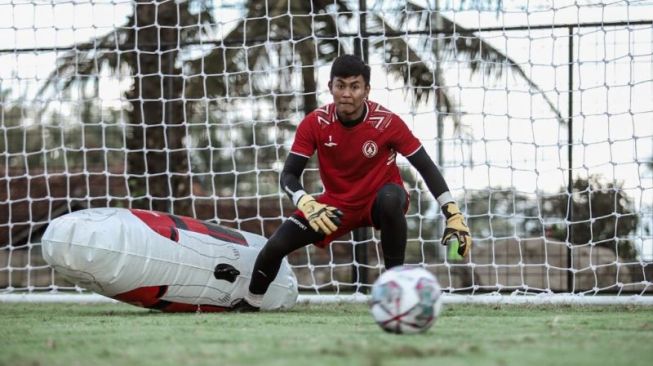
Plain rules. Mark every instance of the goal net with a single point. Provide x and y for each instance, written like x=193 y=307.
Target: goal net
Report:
x=538 y=115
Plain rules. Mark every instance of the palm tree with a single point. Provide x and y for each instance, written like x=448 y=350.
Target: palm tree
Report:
x=174 y=87
x=312 y=27
x=192 y=87
x=149 y=49
x=273 y=35
x=416 y=62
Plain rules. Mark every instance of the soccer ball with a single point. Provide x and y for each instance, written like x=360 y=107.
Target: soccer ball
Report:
x=405 y=300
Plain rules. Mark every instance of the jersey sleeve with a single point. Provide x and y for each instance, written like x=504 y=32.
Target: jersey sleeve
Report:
x=402 y=138
x=304 y=143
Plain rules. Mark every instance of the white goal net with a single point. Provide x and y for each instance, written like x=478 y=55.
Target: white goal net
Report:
x=538 y=114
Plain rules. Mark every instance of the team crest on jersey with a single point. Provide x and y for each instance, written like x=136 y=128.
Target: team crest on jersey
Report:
x=370 y=149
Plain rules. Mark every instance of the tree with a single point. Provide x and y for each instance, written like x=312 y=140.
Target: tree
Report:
x=32 y=141
x=313 y=27
x=148 y=49
x=183 y=72
x=238 y=71
x=501 y=212
x=602 y=214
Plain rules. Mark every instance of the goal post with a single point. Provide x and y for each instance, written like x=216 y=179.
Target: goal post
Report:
x=538 y=117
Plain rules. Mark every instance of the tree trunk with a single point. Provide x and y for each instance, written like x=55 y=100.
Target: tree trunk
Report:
x=307 y=54
x=157 y=158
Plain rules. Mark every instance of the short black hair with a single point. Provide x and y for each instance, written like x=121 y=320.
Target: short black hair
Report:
x=349 y=65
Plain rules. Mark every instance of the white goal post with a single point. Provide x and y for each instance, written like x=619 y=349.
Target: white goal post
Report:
x=538 y=115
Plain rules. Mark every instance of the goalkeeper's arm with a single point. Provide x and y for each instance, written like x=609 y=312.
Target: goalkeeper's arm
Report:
x=435 y=182
x=322 y=218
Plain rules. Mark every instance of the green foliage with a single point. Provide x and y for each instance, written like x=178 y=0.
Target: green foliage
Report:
x=34 y=142
x=148 y=44
x=602 y=214
x=501 y=212
x=423 y=219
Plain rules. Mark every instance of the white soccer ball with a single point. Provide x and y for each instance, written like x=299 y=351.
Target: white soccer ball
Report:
x=405 y=300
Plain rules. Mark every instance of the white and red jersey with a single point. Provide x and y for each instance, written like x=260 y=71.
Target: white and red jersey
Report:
x=355 y=162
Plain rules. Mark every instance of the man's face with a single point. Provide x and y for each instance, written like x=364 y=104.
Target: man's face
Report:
x=349 y=94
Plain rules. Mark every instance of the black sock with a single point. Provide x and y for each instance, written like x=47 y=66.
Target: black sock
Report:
x=288 y=237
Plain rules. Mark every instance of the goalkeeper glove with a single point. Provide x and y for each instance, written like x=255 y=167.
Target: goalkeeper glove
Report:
x=322 y=218
x=456 y=227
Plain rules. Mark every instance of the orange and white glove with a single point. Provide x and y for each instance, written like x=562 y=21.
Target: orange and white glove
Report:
x=457 y=227
x=322 y=218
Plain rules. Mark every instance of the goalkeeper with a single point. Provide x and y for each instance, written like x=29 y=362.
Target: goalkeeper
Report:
x=357 y=142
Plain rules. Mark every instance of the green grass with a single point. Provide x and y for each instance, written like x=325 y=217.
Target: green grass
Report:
x=66 y=334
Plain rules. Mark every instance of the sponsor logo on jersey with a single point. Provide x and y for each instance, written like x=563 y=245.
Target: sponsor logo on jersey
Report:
x=370 y=149
x=330 y=143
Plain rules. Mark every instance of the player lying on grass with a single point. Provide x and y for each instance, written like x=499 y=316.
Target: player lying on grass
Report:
x=357 y=142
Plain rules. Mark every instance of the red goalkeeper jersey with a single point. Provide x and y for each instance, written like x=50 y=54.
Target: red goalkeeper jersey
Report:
x=355 y=162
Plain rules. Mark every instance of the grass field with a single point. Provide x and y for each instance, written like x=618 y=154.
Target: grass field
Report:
x=341 y=334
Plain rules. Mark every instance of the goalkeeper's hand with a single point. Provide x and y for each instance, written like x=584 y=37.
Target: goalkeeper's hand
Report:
x=322 y=218
x=456 y=227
